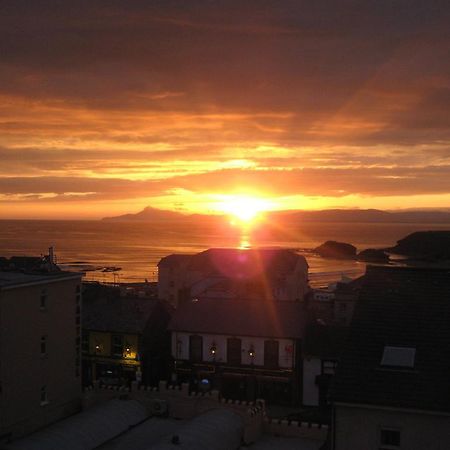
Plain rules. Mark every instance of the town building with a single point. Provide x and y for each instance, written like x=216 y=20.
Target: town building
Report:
x=322 y=347
x=124 y=338
x=335 y=305
x=391 y=388
x=247 y=349
x=40 y=336
x=270 y=274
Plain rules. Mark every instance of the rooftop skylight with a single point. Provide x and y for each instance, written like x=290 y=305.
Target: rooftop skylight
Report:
x=398 y=357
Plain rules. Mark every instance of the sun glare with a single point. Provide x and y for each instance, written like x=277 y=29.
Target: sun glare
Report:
x=244 y=208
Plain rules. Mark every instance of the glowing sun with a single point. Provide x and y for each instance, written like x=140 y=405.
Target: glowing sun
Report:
x=244 y=208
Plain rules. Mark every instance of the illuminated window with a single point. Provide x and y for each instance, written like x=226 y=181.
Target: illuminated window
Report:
x=117 y=345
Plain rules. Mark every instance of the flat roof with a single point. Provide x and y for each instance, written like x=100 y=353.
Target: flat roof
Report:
x=12 y=279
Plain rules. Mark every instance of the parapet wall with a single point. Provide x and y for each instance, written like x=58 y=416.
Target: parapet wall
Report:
x=179 y=403
x=293 y=428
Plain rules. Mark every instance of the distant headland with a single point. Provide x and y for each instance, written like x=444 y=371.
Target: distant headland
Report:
x=329 y=215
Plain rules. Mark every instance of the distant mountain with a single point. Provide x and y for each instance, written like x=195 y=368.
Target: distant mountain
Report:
x=328 y=215
x=148 y=214
x=364 y=215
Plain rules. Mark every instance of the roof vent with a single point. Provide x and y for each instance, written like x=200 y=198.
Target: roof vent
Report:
x=398 y=357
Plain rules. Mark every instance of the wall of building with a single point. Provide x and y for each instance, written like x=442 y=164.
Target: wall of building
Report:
x=168 y=284
x=180 y=349
x=297 y=282
x=172 y=279
x=311 y=368
x=343 y=311
x=24 y=370
x=103 y=340
x=359 y=428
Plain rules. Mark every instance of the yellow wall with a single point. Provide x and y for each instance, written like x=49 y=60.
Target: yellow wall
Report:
x=104 y=339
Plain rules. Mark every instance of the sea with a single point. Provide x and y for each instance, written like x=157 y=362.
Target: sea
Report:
x=119 y=252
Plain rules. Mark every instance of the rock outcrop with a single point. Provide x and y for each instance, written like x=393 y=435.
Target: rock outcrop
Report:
x=373 y=255
x=427 y=245
x=333 y=249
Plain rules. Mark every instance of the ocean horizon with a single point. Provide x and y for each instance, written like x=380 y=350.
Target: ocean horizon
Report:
x=136 y=247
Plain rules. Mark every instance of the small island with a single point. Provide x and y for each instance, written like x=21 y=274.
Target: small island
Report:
x=373 y=255
x=339 y=250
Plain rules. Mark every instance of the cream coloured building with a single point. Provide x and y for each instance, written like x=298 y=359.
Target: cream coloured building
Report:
x=271 y=274
x=39 y=349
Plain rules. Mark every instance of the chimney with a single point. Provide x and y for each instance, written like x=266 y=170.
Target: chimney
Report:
x=51 y=257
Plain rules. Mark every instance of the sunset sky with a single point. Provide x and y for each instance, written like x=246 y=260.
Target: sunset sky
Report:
x=110 y=106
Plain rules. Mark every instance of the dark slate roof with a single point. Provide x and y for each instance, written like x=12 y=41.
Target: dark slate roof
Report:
x=120 y=314
x=174 y=260
x=87 y=429
x=351 y=287
x=12 y=279
x=245 y=263
x=400 y=307
x=241 y=318
x=324 y=341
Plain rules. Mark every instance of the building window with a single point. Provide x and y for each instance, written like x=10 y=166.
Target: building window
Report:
x=234 y=351
x=196 y=348
x=85 y=342
x=44 y=397
x=43 y=299
x=43 y=345
x=271 y=352
x=389 y=439
x=328 y=367
x=117 y=345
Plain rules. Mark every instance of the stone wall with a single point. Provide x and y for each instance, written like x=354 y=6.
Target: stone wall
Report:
x=179 y=403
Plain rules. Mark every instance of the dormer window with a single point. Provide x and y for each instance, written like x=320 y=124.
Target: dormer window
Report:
x=398 y=357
